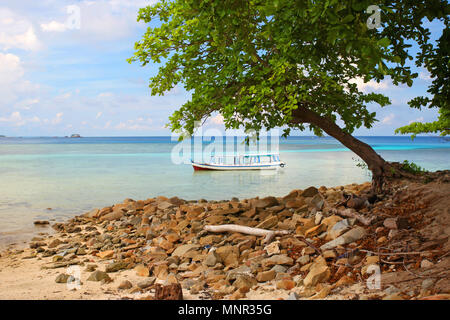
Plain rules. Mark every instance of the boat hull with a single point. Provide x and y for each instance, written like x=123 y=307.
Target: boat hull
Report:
x=205 y=166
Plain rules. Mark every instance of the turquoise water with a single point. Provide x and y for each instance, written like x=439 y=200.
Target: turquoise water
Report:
x=71 y=176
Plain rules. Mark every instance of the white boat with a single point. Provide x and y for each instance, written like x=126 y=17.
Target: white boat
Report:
x=241 y=162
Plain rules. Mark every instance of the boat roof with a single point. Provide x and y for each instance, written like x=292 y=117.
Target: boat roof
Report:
x=246 y=155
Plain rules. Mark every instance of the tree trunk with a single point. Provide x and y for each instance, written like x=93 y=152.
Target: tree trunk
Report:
x=377 y=165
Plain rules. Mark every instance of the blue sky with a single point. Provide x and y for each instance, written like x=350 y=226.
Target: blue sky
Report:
x=58 y=77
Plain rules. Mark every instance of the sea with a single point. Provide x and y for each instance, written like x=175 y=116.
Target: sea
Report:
x=56 y=178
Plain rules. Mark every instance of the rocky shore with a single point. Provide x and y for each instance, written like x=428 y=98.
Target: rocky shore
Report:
x=330 y=243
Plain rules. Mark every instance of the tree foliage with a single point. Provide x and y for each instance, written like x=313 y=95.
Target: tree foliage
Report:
x=256 y=61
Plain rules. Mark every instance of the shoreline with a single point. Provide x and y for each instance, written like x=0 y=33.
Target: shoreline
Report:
x=125 y=251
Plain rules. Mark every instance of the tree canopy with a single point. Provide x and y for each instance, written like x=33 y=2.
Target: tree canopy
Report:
x=256 y=61
x=285 y=63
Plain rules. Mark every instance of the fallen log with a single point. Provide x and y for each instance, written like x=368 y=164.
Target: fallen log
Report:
x=268 y=234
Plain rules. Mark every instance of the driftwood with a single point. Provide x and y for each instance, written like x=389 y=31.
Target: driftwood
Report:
x=349 y=213
x=268 y=234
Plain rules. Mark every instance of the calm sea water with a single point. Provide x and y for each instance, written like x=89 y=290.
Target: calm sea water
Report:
x=71 y=176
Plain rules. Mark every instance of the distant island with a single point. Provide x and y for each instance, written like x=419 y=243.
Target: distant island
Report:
x=75 y=135
x=2 y=136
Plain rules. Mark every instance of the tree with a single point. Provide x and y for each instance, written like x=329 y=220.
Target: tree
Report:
x=273 y=63
x=441 y=125
x=437 y=62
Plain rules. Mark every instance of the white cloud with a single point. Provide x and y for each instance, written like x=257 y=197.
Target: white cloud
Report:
x=12 y=83
x=388 y=119
x=58 y=118
x=370 y=85
x=99 y=114
x=54 y=26
x=135 y=125
x=424 y=74
x=16 y=32
x=420 y=119
x=10 y=68
x=218 y=120
x=105 y=95
x=16 y=119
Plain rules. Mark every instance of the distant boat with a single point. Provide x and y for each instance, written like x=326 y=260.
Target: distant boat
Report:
x=241 y=162
x=75 y=135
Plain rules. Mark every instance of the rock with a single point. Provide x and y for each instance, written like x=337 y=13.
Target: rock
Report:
x=331 y=221
x=273 y=248
x=293 y=296
x=99 y=276
x=394 y=296
x=391 y=290
x=212 y=259
x=268 y=223
x=392 y=233
x=264 y=276
x=381 y=240
x=279 y=268
x=92 y=214
x=353 y=235
x=183 y=249
x=427 y=284
x=372 y=260
x=169 y=292
x=57 y=258
x=303 y=260
x=344 y=281
x=229 y=255
x=317 y=273
x=62 y=278
x=265 y=202
x=237 y=295
x=90 y=267
x=81 y=252
x=318 y=218
x=161 y=271
x=210 y=239
x=116 y=266
x=396 y=223
x=338 y=229
x=105 y=254
x=295 y=203
x=277 y=259
x=144 y=284
x=426 y=264
x=322 y=293
x=35 y=245
x=285 y=284
x=310 y=192
x=41 y=223
x=165 y=205
x=54 y=243
x=356 y=202
x=317 y=201
x=244 y=282
x=329 y=254
x=115 y=215
x=171 y=279
x=124 y=285
x=315 y=231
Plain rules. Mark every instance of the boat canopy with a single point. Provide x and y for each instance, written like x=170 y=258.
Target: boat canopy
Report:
x=245 y=159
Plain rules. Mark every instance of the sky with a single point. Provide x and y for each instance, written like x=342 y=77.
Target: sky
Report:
x=63 y=70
